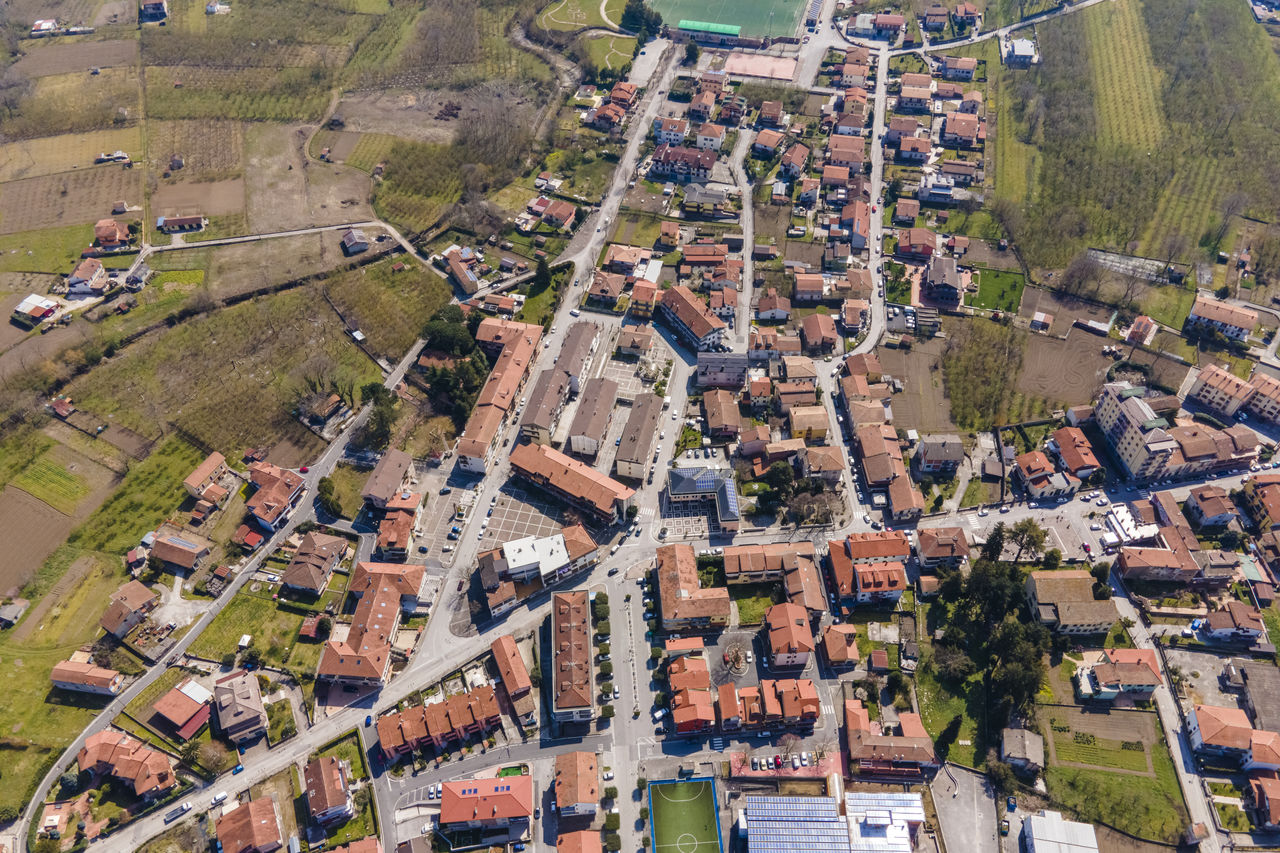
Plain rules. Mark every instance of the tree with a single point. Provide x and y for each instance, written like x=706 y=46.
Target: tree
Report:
x=611 y=792
x=1101 y=573
x=613 y=842
x=781 y=477
x=1000 y=773
x=1028 y=536
x=69 y=784
x=951 y=663
x=189 y=752
x=251 y=657
x=612 y=821
x=541 y=276
x=994 y=546
x=606 y=669
x=1052 y=559
x=602 y=628
x=325 y=497
x=214 y=756
x=606 y=711
x=691 y=52
x=632 y=512
x=324 y=628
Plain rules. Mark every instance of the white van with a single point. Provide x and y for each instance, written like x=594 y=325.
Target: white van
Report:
x=659 y=714
x=220 y=797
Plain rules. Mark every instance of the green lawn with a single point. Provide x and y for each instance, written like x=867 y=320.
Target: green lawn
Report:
x=754 y=599
x=610 y=52
x=571 y=15
x=998 y=290
x=1136 y=804
x=348 y=483
x=348 y=749
x=1233 y=817
x=1169 y=305
x=951 y=718
x=51 y=250
x=274 y=630
x=280 y=723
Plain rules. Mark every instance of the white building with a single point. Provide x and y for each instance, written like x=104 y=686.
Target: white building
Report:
x=1050 y=832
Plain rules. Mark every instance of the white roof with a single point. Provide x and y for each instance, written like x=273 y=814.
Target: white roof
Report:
x=650 y=271
x=195 y=692
x=1049 y=832
x=549 y=554
x=33 y=301
x=1024 y=47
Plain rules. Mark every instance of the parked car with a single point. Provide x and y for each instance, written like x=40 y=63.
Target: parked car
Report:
x=1004 y=827
x=777 y=762
x=795 y=762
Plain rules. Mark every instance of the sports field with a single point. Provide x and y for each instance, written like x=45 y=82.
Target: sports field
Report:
x=758 y=18
x=684 y=817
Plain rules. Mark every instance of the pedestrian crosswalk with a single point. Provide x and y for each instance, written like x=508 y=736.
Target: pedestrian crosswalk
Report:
x=717 y=743
x=646 y=515
x=828 y=712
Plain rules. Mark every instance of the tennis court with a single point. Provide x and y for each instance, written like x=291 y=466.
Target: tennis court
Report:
x=758 y=18
x=684 y=816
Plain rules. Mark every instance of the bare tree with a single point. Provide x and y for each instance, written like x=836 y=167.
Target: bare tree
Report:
x=1232 y=206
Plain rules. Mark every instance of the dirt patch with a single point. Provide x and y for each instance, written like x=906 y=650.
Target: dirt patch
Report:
x=73 y=12
x=410 y=113
x=984 y=254
x=1065 y=309
x=771 y=224
x=36 y=348
x=923 y=404
x=288 y=190
x=1065 y=371
x=11 y=333
x=116 y=12
x=249 y=266
x=215 y=198
x=69 y=58
x=341 y=144
x=68 y=198
x=32 y=530
x=210 y=150
x=1110 y=841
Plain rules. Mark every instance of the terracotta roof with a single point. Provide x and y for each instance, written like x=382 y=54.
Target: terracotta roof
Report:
x=581 y=841
x=1218 y=311
x=840 y=642
x=866 y=744
x=691 y=311
x=1227 y=728
x=365 y=653
x=146 y=770
x=127 y=600
x=682 y=595
x=498 y=799
x=571 y=647
x=511 y=667
x=314 y=561
x=541 y=463
x=87 y=674
x=204 y=471
x=1076 y=451
x=879 y=578
x=943 y=543
x=177 y=707
x=325 y=783
x=178 y=552
x=275 y=488
x=252 y=826
x=577 y=778
x=788 y=627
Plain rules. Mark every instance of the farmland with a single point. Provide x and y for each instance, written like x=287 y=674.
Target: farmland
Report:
x=211 y=150
x=270 y=351
x=31 y=158
x=69 y=197
x=1125 y=77
x=390 y=306
x=72 y=103
x=50 y=481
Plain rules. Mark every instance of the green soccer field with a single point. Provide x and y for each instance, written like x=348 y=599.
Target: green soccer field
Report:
x=758 y=18
x=684 y=817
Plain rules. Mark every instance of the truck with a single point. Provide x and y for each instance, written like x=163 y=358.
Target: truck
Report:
x=174 y=814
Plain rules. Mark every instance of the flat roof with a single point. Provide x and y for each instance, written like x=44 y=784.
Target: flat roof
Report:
x=705 y=27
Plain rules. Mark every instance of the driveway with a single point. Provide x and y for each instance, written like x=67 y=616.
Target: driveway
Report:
x=966 y=808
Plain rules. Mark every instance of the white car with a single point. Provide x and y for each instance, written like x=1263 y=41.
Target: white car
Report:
x=982 y=513
x=866 y=518
x=608 y=775
x=1095 y=526
x=1102 y=501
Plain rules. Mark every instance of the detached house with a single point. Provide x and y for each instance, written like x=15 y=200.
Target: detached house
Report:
x=89 y=278
x=670 y=131
x=959 y=67
x=790 y=637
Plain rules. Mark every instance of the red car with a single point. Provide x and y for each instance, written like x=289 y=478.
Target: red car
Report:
x=726 y=658
x=777 y=761
x=304 y=469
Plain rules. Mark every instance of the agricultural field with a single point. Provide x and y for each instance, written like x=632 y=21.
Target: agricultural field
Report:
x=211 y=150
x=1126 y=82
x=286 y=94
x=211 y=198
x=391 y=307
x=286 y=191
x=269 y=351
x=571 y=15
x=47 y=250
x=79 y=56
x=83 y=196
x=32 y=158
x=73 y=103
x=54 y=481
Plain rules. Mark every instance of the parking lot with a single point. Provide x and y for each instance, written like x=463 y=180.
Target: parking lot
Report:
x=519 y=513
x=435 y=524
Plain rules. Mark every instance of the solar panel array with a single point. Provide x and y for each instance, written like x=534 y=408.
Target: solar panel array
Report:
x=904 y=806
x=787 y=824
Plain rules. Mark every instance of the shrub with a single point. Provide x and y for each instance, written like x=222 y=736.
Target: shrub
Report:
x=612 y=821
x=611 y=793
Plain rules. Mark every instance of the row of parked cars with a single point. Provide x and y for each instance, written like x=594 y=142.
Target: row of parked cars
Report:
x=798 y=760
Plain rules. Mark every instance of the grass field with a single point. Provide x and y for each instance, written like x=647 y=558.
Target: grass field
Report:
x=232 y=377
x=49 y=480
x=280 y=722
x=1101 y=753
x=274 y=630
x=370 y=151
x=348 y=482
x=50 y=155
x=940 y=709
x=75 y=103
x=610 y=52
x=998 y=290
x=390 y=307
x=1148 y=808
x=571 y=15
x=348 y=749
x=1126 y=81
x=754 y=599
x=684 y=817
x=756 y=17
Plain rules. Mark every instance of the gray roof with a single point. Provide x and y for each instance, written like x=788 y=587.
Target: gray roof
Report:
x=641 y=429
x=1022 y=744
x=578 y=342
x=1262 y=689
x=545 y=399
x=698 y=194
x=714 y=483
x=943 y=447
x=594 y=409
x=387 y=476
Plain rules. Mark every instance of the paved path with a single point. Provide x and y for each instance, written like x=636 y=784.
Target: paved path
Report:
x=737 y=160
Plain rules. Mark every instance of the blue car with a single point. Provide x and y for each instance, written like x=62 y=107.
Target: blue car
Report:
x=239 y=768
x=368 y=721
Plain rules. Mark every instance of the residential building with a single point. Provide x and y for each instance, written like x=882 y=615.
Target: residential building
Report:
x=877 y=752
x=789 y=636
x=277 y=491
x=1021 y=53
x=128 y=609
x=328 y=788
x=685 y=604
x=1261 y=495
x=1074 y=452
x=206 y=478
x=1022 y=749
x=147 y=772
x=455 y=719
x=577 y=781
x=682 y=164
x=238 y=708
x=1222 y=732
x=184 y=710
x=1232 y=321
x=572 y=690
x=810 y=423
x=818 y=332
x=110 y=234
x=710 y=137
x=703 y=107
x=89 y=278
x=178 y=553
x=917 y=243
x=491 y=803
x=767 y=142
x=1265 y=402
x=515 y=678
x=793 y=564
x=623 y=94
x=959 y=67
x=572 y=481
x=635 y=341
x=1040 y=479
x=771 y=113
x=707 y=485
x=1119 y=672
x=721 y=411
x=825 y=463
x=83 y=677
x=795 y=161
x=889 y=549
x=670 y=131
x=1235 y=621
x=638 y=436
x=1211 y=506
x=1063 y=602
x=722 y=369
x=942 y=280
x=252 y=827
x=383 y=591
x=906 y=210
x=313 y=563
x=938 y=454
x=1220 y=391
x=591 y=422
x=962 y=130
x=1264 y=796
x=840 y=645
x=689 y=317
x=942 y=546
